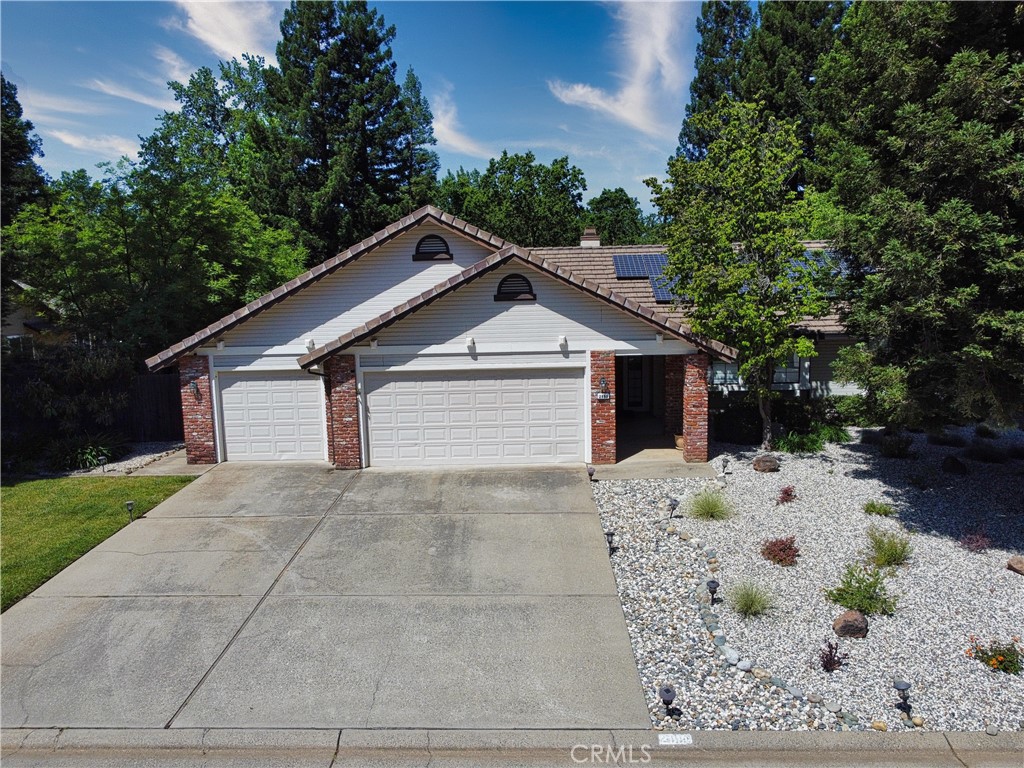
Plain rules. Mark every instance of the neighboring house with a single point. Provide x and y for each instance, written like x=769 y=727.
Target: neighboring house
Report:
x=433 y=342
x=26 y=323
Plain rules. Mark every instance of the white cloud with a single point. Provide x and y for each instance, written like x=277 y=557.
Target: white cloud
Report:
x=651 y=72
x=173 y=66
x=108 y=146
x=39 y=106
x=447 y=130
x=164 y=101
x=230 y=29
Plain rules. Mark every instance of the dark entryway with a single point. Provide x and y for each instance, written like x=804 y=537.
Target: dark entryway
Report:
x=640 y=405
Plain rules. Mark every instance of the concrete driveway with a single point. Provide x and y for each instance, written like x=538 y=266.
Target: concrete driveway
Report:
x=302 y=597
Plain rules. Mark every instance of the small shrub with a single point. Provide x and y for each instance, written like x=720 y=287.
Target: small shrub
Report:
x=709 y=505
x=852 y=410
x=749 y=600
x=879 y=508
x=794 y=443
x=990 y=453
x=986 y=432
x=830 y=657
x=786 y=495
x=999 y=657
x=888 y=549
x=975 y=541
x=85 y=452
x=896 y=446
x=833 y=433
x=862 y=589
x=947 y=439
x=782 y=552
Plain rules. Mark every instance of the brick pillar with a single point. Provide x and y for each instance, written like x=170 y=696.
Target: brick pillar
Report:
x=695 y=408
x=602 y=412
x=675 y=377
x=343 y=448
x=197 y=409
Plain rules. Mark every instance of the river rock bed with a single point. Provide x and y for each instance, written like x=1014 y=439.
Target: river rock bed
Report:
x=944 y=593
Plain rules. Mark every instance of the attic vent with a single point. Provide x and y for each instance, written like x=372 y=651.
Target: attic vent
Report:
x=432 y=248
x=515 y=288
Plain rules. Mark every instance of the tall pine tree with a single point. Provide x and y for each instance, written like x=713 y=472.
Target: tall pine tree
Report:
x=779 y=65
x=21 y=180
x=349 y=130
x=925 y=151
x=724 y=27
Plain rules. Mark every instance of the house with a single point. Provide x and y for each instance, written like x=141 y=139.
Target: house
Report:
x=433 y=342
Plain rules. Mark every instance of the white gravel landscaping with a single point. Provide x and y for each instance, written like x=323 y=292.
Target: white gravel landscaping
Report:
x=138 y=457
x=944 y=593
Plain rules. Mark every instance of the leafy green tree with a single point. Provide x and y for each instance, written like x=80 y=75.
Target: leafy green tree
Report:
x=618 y=218
x=418 y=164
x=779 y=63
x=724 y=27
x=519 y=199
x=21 y=180
x=138 y=260
x=356 y=143
x=925 y=153
x=734 y=247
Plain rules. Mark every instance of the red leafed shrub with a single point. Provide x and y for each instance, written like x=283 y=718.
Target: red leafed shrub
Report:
x=787 y=494
x=781 y=551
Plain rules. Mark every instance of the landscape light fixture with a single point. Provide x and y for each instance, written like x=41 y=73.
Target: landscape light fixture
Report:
x=609 y=535
x=102 y=461
x=130 y=506
x=712 y=589
x=673 y=505
x=903 y=689
x=667 y=694
x=590 y=472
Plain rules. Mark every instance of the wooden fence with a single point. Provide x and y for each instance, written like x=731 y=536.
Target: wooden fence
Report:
x=154 y=409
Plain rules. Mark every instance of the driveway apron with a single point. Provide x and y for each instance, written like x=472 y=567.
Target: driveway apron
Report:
x=295 y=596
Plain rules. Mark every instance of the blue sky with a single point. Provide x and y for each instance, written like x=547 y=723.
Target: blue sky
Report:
x=604 y=83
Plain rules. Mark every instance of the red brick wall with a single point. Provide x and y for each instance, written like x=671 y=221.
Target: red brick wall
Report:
x=602 y=412
x=695 y=408
x=675 y=378
x=197 y=410
x=343 y=448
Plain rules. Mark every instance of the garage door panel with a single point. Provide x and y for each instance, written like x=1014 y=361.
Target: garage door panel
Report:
x=464 y=418
x=272 y=417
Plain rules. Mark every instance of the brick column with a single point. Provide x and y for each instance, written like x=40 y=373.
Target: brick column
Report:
x=343 y=448
x=675 y=378
x=197 y=409
x=602 y=412
x=695 y=408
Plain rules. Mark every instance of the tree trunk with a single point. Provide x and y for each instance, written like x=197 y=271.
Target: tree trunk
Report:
x=764 y=405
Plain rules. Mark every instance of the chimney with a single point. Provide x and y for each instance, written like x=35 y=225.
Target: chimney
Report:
x=590 y=238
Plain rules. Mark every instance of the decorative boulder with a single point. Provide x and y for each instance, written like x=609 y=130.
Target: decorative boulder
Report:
x=851 y=624
x=954 y=466
x=1016 y=564
x=766 y=463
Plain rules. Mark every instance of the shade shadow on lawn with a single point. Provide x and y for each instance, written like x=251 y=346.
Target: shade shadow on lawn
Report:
x=47 y=524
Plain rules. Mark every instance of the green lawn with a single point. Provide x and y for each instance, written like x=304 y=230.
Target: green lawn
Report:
x=45 y=525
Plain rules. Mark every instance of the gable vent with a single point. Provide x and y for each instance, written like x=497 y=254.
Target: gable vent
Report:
x=432 y=248
x=515 y=288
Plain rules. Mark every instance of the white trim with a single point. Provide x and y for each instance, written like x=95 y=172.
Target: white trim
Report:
x=482 y=347
x=588 y=415
x=363 y=414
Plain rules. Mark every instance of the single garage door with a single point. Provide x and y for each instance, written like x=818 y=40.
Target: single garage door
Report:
x=498 y=417
x=272 y=417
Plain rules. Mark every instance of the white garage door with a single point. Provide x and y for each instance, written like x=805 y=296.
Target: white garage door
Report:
x=498 y=417
x=272 y=417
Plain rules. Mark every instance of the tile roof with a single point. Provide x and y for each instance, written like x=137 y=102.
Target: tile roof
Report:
x=534 y=259
x=320 y=271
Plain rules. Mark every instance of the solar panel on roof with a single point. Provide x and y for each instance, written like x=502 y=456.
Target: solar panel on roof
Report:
x=662 y=289
x=638 y=265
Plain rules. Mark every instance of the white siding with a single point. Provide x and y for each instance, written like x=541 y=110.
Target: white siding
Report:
x=560 y=310
x=467 y=362
x=823 y=381
x=376 y=282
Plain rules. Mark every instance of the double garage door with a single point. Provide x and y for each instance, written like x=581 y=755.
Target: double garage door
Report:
x=497 y=417
x=416 y=418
